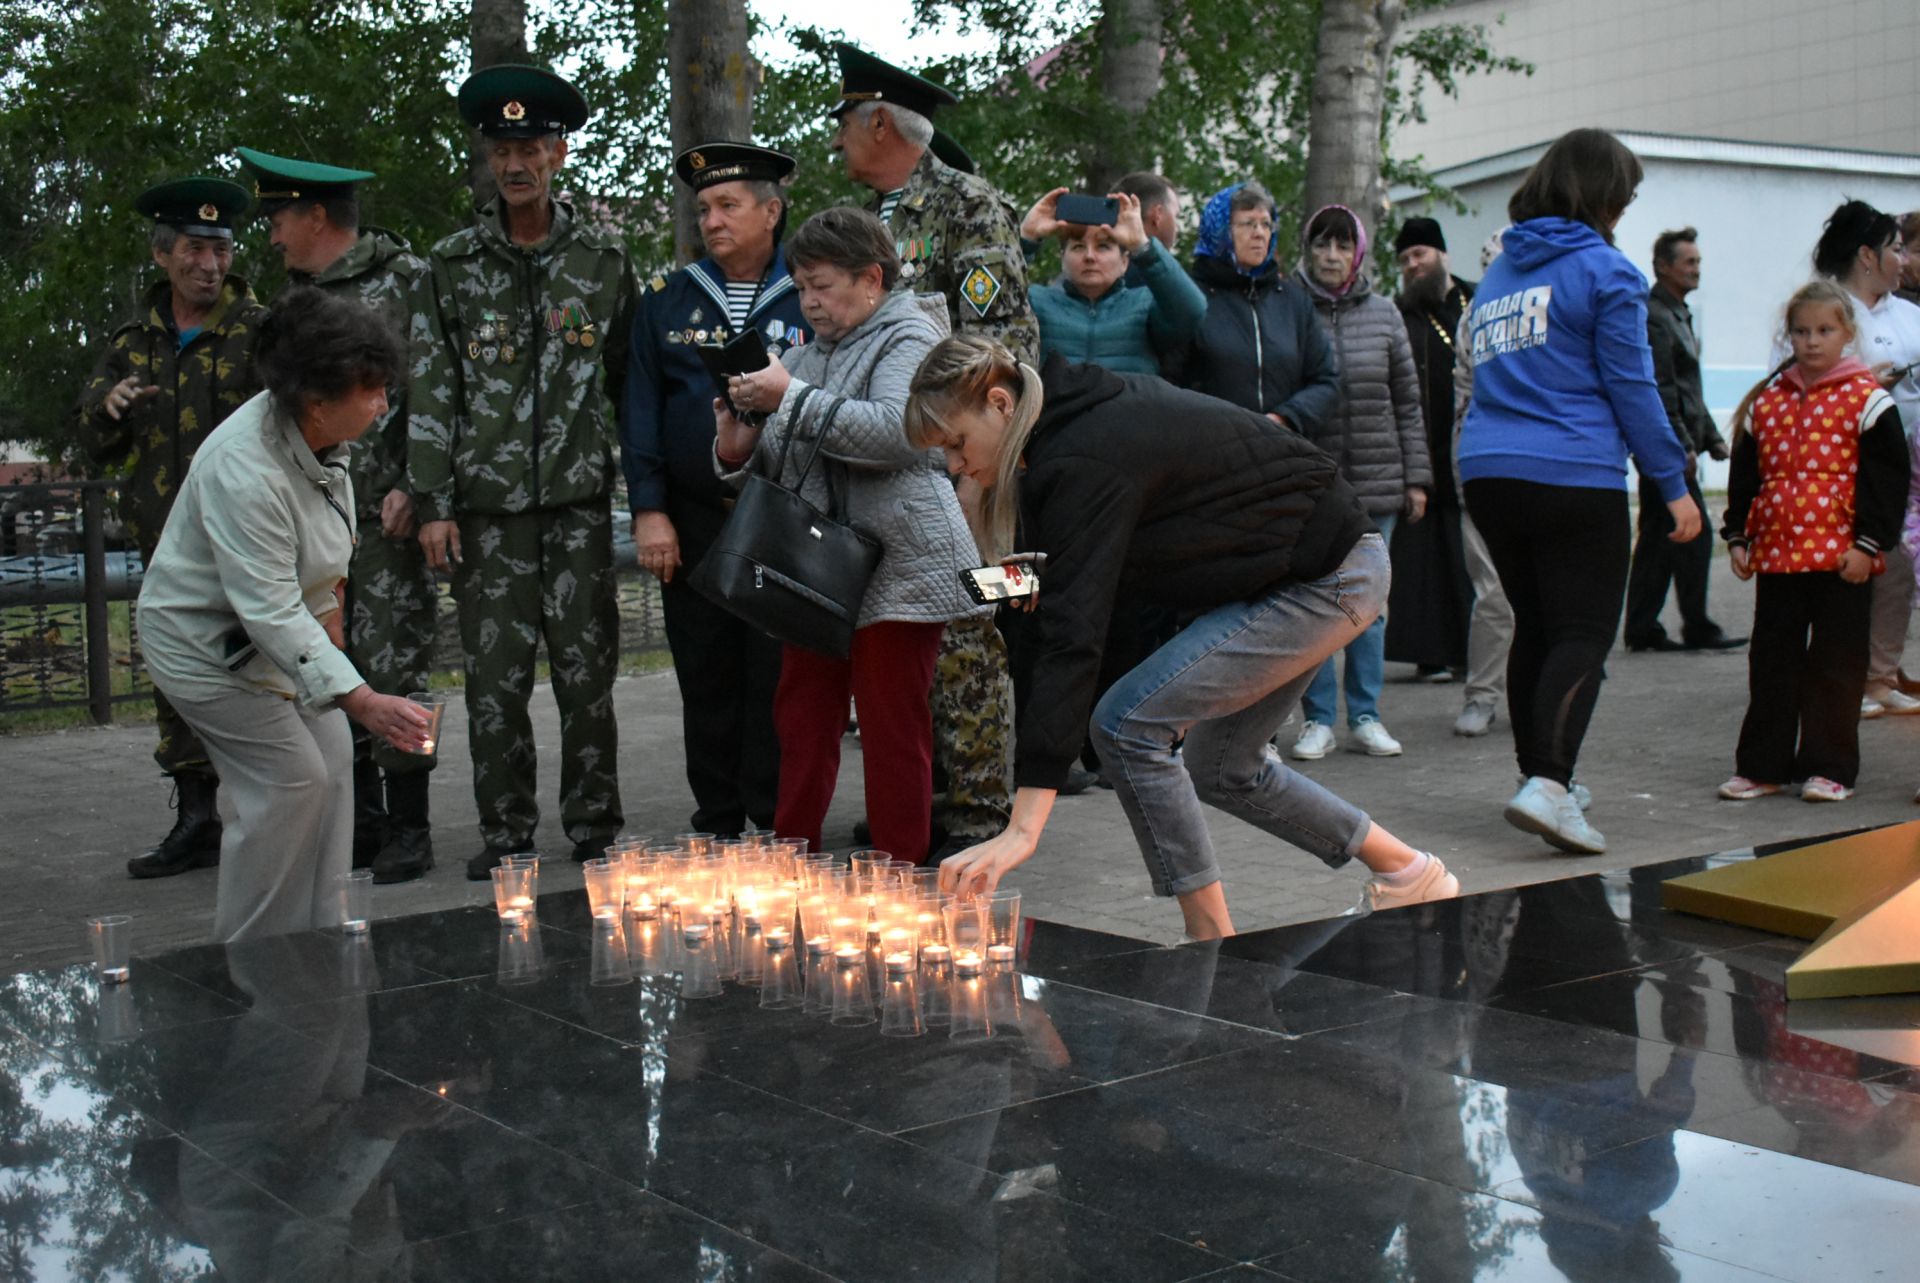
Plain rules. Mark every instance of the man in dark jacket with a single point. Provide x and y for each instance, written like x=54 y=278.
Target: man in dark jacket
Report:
x=170 y=374
x=1676 y=369
x=1432 y=597
x=1260 y=346
x=727 y=670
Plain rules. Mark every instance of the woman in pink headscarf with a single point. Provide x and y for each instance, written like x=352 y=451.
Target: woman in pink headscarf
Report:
x=1377 y=435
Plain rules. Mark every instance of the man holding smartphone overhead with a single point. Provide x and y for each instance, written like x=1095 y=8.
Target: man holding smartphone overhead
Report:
x=727 y=669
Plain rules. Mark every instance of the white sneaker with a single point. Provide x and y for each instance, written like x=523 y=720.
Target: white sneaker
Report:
x=1315 y=742
x=1544 y=807
x=1475 y=719
x=1895 y=702
x=1870 y=708
x=1434 y=884
x=1371 y=738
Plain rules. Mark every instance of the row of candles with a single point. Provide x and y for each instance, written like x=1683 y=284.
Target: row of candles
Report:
x=807 y=931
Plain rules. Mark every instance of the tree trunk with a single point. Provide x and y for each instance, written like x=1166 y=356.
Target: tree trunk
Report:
x=1349 y=96
x=1131 y=38
x=499 y=34
x=713 y=78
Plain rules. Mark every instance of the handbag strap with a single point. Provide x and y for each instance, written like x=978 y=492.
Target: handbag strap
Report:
x=836 y=500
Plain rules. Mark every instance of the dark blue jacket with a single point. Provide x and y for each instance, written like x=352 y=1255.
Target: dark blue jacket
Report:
x=1260 y=345
x=666 y=434
x=1562 y=374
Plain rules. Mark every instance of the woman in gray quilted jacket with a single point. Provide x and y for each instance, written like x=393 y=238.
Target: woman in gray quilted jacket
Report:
x=867 y=344
x=1378 y=437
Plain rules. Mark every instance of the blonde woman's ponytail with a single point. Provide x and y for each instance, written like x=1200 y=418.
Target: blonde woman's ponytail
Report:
x=957 y=374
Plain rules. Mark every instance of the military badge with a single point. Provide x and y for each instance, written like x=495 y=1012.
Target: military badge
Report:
x=980 y=289
x=513 y=110
x=776 y=331
x=209 y=213
x=473 y=351
x=657 y=284
x=506 y=353
x=489 y=354
x=697 y=160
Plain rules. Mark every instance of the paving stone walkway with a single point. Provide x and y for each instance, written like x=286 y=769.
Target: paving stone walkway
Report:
x=78 y=803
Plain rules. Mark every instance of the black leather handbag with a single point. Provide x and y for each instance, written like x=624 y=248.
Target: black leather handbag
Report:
x=785 y=567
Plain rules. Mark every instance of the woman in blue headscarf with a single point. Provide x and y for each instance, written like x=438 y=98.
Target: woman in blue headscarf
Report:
x=1260 y=345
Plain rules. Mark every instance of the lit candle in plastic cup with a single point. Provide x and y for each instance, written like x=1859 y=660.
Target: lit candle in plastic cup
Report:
x=112 y=939
x=512 y=898
x=434 y=705
x=355 y=891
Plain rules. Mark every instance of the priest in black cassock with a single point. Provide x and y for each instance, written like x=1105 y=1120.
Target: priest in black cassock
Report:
x=1432 y=597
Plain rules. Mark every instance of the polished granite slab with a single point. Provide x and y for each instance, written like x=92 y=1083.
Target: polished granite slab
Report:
x=1555 y=1081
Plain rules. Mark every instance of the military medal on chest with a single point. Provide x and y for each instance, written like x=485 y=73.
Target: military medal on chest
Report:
x=490 y=340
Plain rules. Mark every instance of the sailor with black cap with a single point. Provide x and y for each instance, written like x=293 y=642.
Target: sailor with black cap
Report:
x=520 y=335
x=726 y=670
x=958 y=238
x=170 y=373
x=312 y=212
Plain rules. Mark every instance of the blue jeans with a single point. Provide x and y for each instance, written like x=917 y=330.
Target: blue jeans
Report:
x=1366 y=666
x=1227 y=682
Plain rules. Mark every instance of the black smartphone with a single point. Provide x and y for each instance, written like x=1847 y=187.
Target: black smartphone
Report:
x=1089 y=211
x=1016 y=577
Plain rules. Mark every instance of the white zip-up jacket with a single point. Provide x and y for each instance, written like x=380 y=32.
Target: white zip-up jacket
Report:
x=247 y=566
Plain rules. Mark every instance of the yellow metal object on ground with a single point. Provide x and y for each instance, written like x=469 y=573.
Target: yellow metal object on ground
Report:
x=1857 y=898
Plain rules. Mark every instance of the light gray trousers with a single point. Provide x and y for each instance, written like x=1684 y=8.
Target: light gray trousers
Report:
x=288 y=774
x=1892 y=609
x=1490 y=629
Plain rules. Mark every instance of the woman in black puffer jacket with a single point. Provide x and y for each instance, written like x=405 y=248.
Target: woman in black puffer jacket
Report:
x=1376 y=434
x=1259 y=346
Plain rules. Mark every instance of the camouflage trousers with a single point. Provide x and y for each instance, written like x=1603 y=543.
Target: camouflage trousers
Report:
x=180 y=751
x=391 y=608
x=972 y=704
x=525 y=577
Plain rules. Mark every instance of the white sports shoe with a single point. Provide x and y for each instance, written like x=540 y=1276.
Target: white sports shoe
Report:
x=1546 y=808
x=1371 y=738
x=1894 y=701
x=1434 y=884
x=1315 y=742
x=1871 y=708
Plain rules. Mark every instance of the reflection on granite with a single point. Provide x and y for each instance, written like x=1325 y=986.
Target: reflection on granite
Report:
x=1558 y=1081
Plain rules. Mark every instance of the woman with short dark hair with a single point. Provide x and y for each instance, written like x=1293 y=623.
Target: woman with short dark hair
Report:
x=867 y=343
x=1562 y=390
x=241 y=621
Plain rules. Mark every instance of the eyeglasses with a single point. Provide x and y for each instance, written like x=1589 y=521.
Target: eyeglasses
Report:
x=1263 y=226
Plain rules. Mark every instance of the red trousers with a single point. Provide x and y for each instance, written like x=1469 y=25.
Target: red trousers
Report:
x=889 y=675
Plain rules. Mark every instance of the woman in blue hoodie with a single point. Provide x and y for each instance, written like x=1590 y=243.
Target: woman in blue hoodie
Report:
x=1260 y=345
x=1563 y=389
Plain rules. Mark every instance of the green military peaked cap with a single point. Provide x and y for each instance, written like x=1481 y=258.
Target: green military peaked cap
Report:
x=865 y=78
x=709 y=163
x=517 y=101
x=279 y=181
x=197 y=206
x=951 y=153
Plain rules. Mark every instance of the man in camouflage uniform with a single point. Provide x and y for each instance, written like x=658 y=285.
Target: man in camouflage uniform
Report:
x=313 y=219
x=167 y=378
x=520 y=336
x=958 y=238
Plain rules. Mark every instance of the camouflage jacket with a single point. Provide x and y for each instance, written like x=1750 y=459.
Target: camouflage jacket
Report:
x=959 y=238
x=519 y=357
x=200 y=384
x=382 y=272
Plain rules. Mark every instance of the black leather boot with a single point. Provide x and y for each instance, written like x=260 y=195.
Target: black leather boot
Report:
x=194 y=840
x=408 y=851
x=369 y=810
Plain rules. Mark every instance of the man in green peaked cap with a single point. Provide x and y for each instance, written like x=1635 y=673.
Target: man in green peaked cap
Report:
x=312 y=212
x=960 y=239
x=521 y=336
x=167 y=377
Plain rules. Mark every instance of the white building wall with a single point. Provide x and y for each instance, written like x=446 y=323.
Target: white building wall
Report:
x=1757 y=226
x=1830 y=73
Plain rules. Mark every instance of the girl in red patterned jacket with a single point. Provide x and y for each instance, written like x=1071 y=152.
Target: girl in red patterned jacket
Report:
x=1818 y=484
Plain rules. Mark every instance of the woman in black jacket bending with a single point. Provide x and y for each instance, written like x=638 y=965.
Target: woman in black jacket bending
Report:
x=1248 y=533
